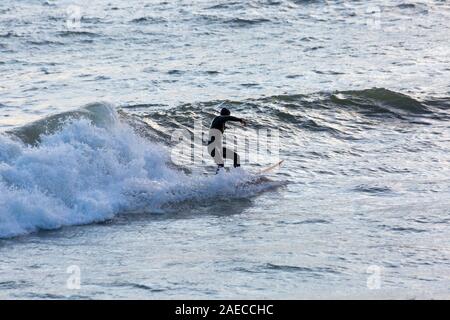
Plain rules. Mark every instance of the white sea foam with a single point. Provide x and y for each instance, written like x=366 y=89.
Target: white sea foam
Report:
x=87 y=172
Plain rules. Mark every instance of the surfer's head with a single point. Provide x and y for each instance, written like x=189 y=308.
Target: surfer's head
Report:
x=225 y=112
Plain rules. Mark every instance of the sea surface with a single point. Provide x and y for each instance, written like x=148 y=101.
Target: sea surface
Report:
x=93 y=204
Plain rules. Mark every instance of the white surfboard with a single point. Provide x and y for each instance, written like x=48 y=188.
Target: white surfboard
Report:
x=272 y=167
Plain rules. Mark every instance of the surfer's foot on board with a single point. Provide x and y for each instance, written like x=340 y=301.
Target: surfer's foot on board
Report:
x=220 y=167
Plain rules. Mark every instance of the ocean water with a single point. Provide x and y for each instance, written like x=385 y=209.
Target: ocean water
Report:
x=93 y=205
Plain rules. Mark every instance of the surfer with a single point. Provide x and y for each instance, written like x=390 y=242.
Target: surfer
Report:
x=215 y=148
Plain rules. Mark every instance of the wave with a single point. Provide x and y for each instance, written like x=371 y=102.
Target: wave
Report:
x=406 y=5
x=234 y=22
x=381 y=100
x=93 y=163
x=373 y=101
x=310 y=270
x=226 y=5
x=327 y=112
x=88 y=166
x=100 y=114
x=149 y=20
x=44 y=43
x=8 y=35
x=74 y=33
x=243 y=22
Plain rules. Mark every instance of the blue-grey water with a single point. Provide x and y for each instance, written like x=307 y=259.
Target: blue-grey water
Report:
x=90 y=92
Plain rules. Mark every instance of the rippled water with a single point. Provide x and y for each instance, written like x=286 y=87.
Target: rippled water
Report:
x=361 y=97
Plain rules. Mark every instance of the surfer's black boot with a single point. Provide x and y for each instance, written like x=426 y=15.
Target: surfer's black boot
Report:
x=219 y=166
x=236 y=160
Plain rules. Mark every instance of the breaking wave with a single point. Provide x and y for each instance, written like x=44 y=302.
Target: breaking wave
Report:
x=88 y=166
x=91 y=164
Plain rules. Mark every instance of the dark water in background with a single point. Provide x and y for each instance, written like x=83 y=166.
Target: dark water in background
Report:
x=359 y=92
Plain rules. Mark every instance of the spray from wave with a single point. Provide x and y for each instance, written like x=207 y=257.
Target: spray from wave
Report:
x=89 y=166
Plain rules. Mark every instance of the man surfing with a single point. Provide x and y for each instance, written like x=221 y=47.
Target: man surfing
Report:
x=215 y=147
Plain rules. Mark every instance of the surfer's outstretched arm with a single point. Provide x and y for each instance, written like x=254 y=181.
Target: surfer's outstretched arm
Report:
x=236 y=119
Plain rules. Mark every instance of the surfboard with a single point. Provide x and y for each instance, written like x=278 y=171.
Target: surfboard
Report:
x=272 y=167
x=261 y=172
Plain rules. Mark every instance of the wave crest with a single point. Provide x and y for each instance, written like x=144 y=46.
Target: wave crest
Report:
x=91 y=168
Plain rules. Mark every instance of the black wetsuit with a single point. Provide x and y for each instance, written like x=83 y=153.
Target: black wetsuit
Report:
x=215 y=141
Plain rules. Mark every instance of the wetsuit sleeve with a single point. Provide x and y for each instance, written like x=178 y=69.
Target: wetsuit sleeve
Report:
x=231 y=118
